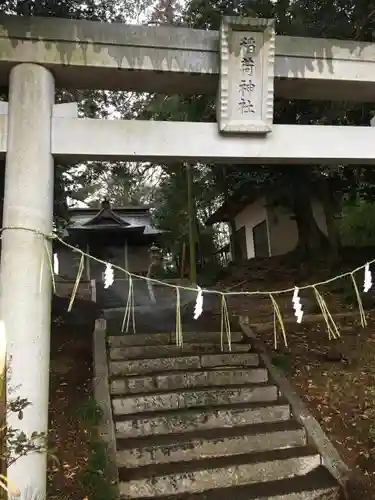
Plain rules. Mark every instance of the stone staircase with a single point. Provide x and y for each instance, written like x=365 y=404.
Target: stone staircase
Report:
x=197 y=423
x=109 y=298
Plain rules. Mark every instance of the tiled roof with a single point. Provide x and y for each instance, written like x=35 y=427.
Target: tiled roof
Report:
x=127 y=218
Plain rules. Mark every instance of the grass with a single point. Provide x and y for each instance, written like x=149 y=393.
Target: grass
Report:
x=282 y=363
x=89 y=413
x=96 y=477
x=82 y=471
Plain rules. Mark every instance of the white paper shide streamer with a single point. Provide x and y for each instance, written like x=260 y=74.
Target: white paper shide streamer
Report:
x=109 y=276
x=297 y=306
x=198 y=309
x=368 y=279
x=55 y=264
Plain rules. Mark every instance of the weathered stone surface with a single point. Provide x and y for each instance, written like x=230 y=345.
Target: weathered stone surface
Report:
x=79 y=139
x=193 y=398
x=204 y=337
x=169 y=338
x=180 y=380
x=248 y=359
x=196 y=422
x=242 y=38
x=261 y=468
x=118 y=368
x=332 y=493
x=139 y=339
x=140 y=366
x=189 y=420
x=155 y=351
x=170 y=60
x=214 y=443
x=315 y=485
x=251 y=492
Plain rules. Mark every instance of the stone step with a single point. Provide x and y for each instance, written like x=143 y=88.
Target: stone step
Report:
x=189 y=398
x=140 y=366
x=315 y=485
x=179 y=380
x=209 y=443
x=187 y=420
x=139 y=339
x=200 y=475
x=163 y=351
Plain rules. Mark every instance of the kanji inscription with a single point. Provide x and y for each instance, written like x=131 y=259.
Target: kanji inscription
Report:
x=247 y=48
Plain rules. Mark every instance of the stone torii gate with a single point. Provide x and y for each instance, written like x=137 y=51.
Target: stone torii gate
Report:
x=250 y=65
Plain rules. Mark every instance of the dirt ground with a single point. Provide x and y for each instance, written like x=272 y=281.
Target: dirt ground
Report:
x=70 y=388
x=336 y=378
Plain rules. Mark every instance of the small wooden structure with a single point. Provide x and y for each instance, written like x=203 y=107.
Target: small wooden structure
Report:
x=122 y=236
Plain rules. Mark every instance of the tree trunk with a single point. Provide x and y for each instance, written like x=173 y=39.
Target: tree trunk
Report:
x=182 y=260
x=192 y=257
x=354 y=177
x=233 y=244
x=329 y=212
x=333 y=236
x=199 y=257
x=310 y=237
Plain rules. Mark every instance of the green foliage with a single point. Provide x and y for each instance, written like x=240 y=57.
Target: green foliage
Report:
x=73 y=181
x=292 y=186
x=93 y=10
x=282 y=362
x=90 y=413
x=348 y=295
x=209 y=273
x=171 y=216
x=95 y=478
x=18 y=444
x=357 y=224
x=371 y=433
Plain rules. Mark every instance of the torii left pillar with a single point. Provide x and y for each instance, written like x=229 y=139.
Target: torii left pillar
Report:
x=25 y=277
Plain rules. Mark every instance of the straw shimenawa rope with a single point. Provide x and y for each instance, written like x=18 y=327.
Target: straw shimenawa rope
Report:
x=277 y=315
x=225 y=324
x=333 y=331
x=129 y=309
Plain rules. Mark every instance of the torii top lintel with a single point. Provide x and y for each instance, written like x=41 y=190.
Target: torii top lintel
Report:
x=89 y=54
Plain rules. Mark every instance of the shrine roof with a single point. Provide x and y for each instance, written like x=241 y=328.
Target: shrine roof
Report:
x=232 y=207
x=128 y=219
